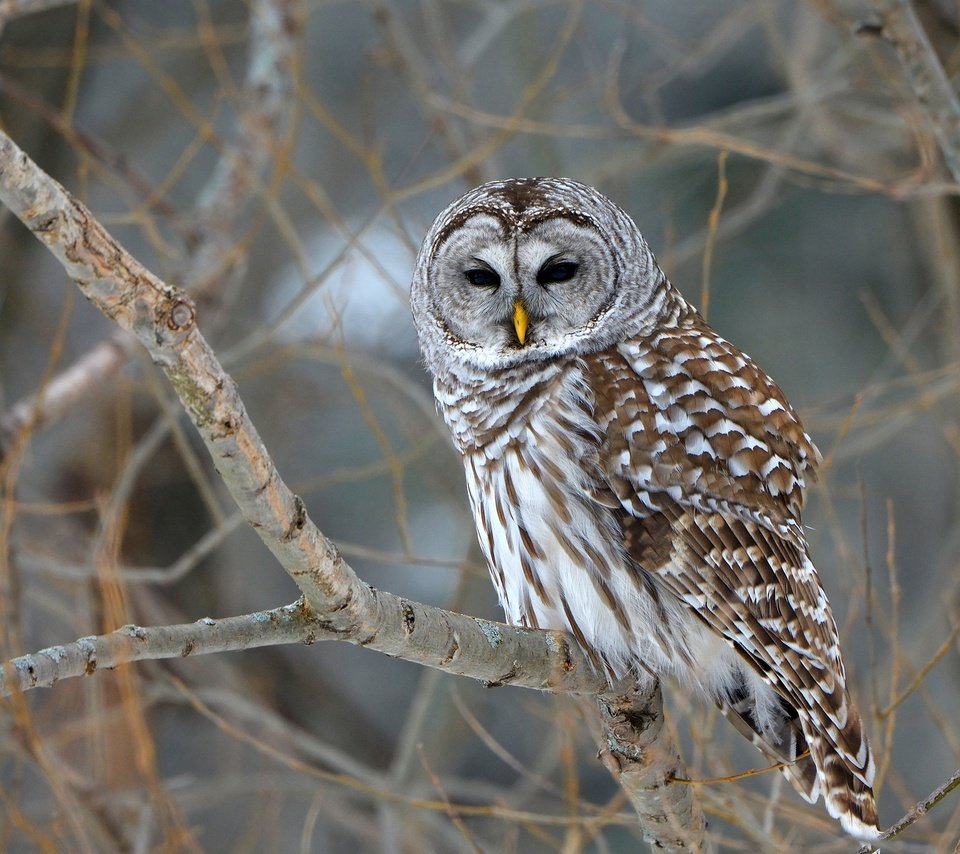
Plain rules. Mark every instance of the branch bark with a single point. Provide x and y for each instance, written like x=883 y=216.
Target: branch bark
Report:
x=642 y=757
x=335 y=602
x=83 y=657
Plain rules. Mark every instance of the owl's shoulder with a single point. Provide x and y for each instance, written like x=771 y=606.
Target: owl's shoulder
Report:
x=686 y=412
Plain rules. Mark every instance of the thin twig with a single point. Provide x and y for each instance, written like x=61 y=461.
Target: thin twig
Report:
x=713 y=223
x=741 y=775
x=942 y=650
x=919 y=811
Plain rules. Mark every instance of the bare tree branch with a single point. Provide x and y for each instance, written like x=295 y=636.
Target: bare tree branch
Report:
x=641 y=756
x=919 y=811
x=67 y=388
x=931 y=87
x=294 y=623
x=163 y=319
x=83 y=657
x=636 y=748
x=216 y=256
x=263 y=136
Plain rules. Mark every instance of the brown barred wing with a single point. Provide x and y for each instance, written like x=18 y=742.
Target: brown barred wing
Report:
x=710 y=464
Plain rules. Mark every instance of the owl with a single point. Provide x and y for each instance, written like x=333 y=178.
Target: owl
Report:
x=635 y=479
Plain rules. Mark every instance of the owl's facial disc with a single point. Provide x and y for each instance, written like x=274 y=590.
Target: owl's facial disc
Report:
x=522 y=289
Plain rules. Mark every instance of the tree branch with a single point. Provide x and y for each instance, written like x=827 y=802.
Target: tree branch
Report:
x=642 y=757
x=216 y=255
x=10 y=9
x=66 y=389
x=931 y=87
x=83 y=657
x=336 y=603
x=534 y=653
x=919 y=811
x=636 y=749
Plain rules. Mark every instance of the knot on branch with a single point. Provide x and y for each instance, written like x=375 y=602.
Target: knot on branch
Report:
x=409 y=618
x=297 y=521
x=181 y=315
x=870 y=27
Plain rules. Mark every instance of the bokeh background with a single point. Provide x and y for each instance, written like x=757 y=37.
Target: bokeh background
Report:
x=282 y=160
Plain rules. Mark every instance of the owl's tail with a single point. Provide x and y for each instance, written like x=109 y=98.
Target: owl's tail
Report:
x=845 y=772
x=812 y=763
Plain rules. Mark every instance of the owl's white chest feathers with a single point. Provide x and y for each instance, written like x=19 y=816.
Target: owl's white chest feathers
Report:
x=553 y=546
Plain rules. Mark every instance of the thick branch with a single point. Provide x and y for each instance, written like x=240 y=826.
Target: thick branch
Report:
x=532 y=654
x=643 y=758
x=163 y=319
x=336 y=602
x=636 y=748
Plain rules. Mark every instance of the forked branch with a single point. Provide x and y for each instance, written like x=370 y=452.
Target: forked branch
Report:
x=336 y=603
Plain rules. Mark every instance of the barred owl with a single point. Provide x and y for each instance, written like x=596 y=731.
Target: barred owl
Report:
x=636 y=480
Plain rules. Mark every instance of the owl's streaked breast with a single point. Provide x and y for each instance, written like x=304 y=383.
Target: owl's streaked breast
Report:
x=547 y=524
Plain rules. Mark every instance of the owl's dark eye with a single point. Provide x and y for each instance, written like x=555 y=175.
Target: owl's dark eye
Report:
x=482 y=277
x=557 y=271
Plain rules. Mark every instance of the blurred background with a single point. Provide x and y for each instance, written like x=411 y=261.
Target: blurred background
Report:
x=282 y=160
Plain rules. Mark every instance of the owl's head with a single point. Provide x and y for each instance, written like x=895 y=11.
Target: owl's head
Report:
x=531 y=269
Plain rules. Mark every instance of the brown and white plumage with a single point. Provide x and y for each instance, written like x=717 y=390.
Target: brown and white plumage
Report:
x=635 y=478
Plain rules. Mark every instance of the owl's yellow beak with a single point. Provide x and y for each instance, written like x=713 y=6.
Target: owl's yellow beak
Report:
x=520 y=320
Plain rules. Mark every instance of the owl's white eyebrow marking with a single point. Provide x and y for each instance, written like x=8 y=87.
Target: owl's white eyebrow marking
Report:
x=481 y=262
